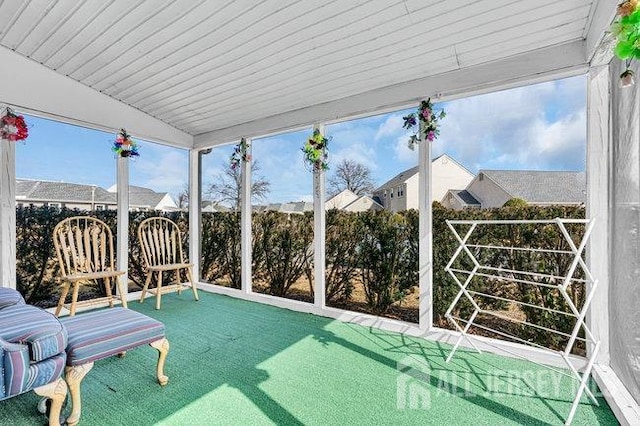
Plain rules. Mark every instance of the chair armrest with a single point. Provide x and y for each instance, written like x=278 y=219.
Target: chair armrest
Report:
x=15 y=366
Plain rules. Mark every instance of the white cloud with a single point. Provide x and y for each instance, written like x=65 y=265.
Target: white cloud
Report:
x=537 y=127
x=165 y=172
x=403 y=153
x=392 y=126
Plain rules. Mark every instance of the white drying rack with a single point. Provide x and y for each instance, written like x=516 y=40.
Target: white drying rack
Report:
x=498 y=273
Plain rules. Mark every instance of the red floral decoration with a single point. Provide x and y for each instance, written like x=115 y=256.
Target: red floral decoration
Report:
x=13 y=127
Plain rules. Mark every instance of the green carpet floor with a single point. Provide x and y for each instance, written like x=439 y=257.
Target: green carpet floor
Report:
x=240 y=363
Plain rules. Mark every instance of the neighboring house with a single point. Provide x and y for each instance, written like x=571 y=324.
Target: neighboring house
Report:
x=87 y=197
x=460 y=198
x=493 y=188
x=63 y=194
x=141 y=198
x=349 y=201
x=401 y=192
x=297 y=207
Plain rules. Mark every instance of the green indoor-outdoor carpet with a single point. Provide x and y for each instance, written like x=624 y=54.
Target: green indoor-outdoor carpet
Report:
x=234 y=362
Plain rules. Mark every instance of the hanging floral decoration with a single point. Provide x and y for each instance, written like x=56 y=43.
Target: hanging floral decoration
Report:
x=13 y=127
x=429 y=120
x=315 y=151
x=124 y=146
x=240 y=154
x=626 y=28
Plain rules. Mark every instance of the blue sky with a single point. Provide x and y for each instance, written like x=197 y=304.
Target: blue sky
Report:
x=538 y=127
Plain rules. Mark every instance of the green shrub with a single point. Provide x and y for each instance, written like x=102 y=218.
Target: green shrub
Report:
x=284 y=249
x=388 y=267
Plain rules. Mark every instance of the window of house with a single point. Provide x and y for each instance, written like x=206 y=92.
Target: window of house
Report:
x=57 y=205
x=99 y=207
x=391 y=193
x=400 y=191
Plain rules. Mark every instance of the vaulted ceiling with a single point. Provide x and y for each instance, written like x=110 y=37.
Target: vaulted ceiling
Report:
x=201 y=65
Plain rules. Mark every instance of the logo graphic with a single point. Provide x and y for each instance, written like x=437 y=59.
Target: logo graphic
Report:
x=412 y=384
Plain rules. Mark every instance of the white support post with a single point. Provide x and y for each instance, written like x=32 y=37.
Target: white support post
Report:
x=245 y=223
x=122 y=248
x=319 y=233
x=195 y=181
x=425 y=263
x=598 y=199
x=7 y=212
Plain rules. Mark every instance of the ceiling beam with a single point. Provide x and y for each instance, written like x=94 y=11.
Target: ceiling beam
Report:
x=535 y=66
x=36 y=89
x=600 y=19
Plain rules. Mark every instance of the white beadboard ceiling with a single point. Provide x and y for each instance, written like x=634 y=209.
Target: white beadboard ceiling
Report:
x=205 y=65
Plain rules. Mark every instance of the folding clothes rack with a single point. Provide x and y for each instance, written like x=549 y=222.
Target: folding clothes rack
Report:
x=527 y=278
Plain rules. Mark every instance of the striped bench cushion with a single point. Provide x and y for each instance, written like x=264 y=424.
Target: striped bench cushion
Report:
x=38 y=329
x=100 y=334
x=9 y=297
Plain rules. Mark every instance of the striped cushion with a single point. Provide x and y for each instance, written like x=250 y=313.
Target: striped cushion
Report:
x=34 y=327
x=9 y=297
x=100 y=334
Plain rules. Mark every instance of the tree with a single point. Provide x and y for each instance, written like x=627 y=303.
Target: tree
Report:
x=182 y=197
x=353 y=176
x=227 y=188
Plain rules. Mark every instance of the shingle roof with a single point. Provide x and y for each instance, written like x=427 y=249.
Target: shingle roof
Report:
x=62 y=191
x=398 y=179
x=541 y=186
x=144 y=197
x=41 y=190
x=465 y=196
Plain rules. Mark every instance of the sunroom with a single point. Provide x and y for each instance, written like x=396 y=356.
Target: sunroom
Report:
x=238 y=78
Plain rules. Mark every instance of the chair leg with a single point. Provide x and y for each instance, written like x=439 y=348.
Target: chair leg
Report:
x=178 y=283
x=107 y=290
x=121 y=292
x=63 y=297
x=146 y=286
x=159 y=290
x=194 y=288
x=57 y=392
x=74 y=376
x=162 y=346
x=74 y=298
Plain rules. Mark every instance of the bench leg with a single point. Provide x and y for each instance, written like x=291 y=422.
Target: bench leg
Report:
x=162 y=346
x=73 y=376
x=57 y=392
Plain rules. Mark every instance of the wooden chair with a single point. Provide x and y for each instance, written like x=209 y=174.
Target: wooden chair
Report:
x=84 y=246
x=161 y=243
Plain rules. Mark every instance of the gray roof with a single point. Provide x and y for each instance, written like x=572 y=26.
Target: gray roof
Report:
x=144 y=197
x=466 y=197
x=541 y=186
x=402 y=177
x=62 y=191
x=398 y=179
x=42 y=190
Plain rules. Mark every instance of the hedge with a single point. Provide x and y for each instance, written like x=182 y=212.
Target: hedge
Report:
x=375 y=250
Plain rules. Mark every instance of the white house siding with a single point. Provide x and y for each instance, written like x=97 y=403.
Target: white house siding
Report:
x=341 y=200
x=451 y=202
x=446 y=174
x=363 y=204
x=487 y=192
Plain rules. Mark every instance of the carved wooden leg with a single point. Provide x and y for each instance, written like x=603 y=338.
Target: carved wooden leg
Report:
x=159 y=290
x=74 y=298
x=194 y=288
x=162 y=346
x=73 y=376
x=57 y=392
x=63 y=297
x=121 y=292
x=146 y=286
